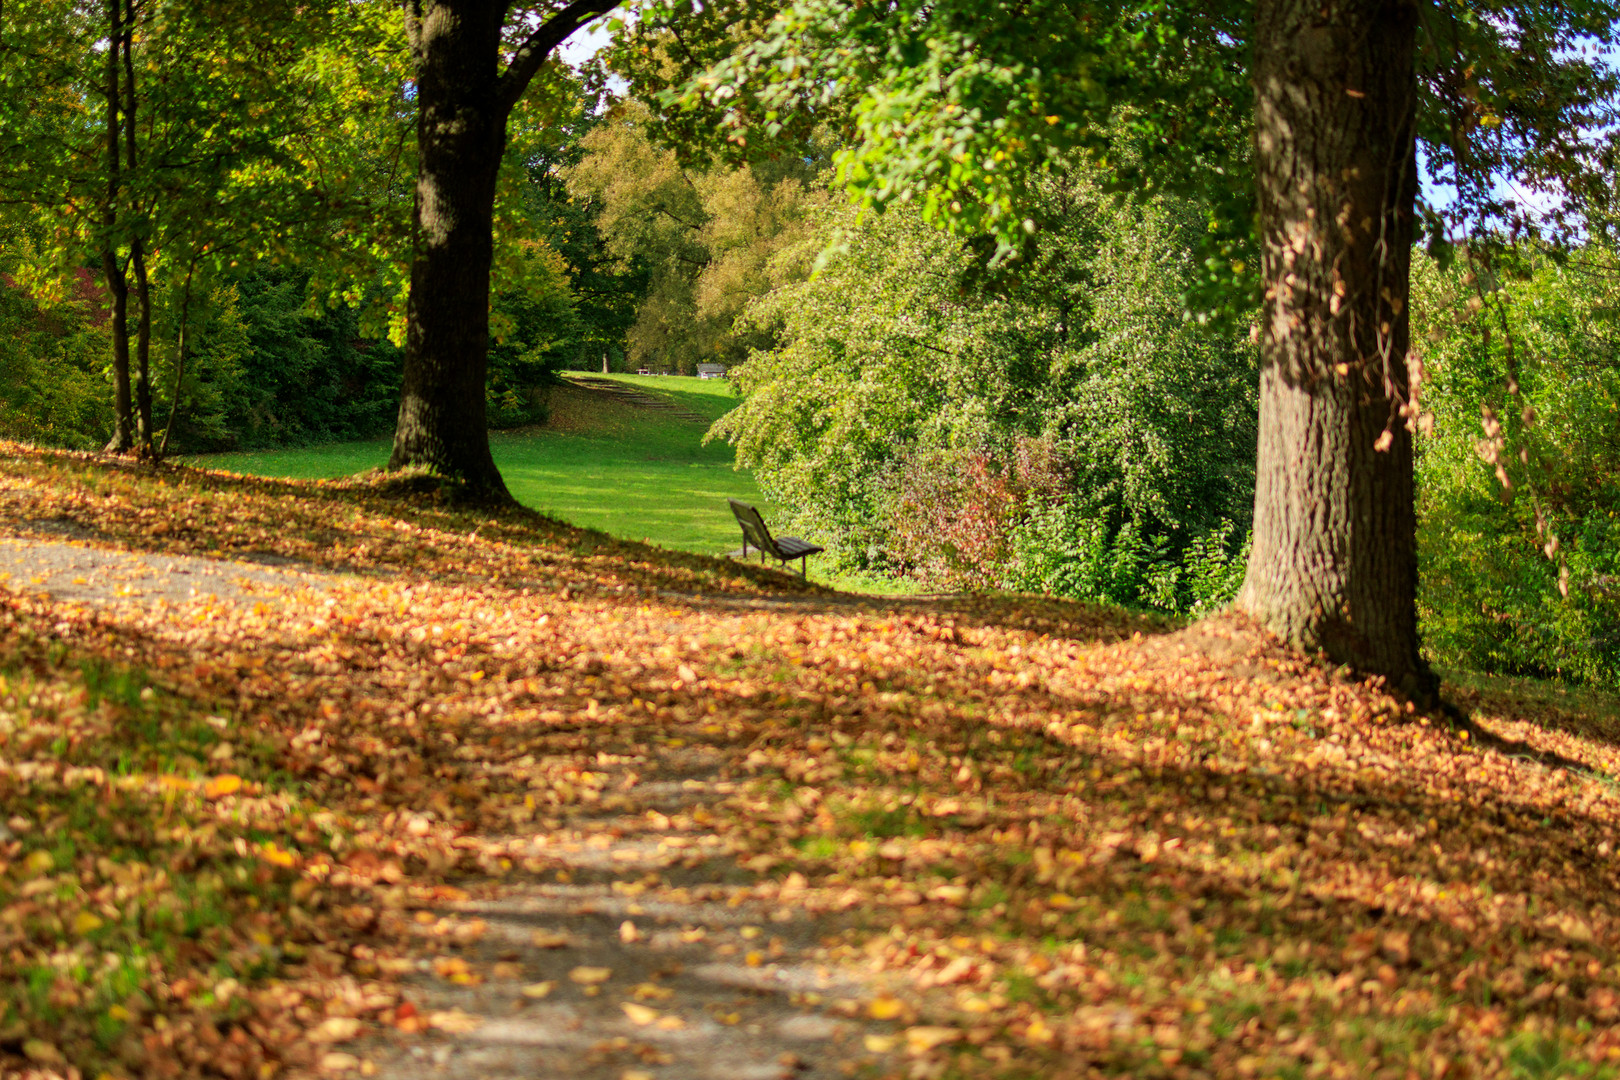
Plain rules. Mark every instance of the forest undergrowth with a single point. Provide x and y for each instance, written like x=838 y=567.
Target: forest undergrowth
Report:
x=1062 y=840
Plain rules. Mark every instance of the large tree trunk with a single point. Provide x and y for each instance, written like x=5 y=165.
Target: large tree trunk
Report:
x=1334 y=562
x=123 y=438
x=461 y=130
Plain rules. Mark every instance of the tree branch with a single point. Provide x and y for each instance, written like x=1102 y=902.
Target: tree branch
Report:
x=533 y=52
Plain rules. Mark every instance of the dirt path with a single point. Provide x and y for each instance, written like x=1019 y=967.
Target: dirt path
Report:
x=633 y=947
x=651 y=954
x=631 y=396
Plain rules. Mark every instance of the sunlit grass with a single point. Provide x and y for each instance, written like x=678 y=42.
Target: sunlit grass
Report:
x=633 y=473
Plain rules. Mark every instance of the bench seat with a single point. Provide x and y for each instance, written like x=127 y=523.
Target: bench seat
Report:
x=755 y=534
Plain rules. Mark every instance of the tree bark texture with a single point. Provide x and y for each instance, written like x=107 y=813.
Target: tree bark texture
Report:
x=461 y=131
x=123 y=438
x=1334 y=562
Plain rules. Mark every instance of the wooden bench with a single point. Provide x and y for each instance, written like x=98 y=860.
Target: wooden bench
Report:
x=786 y=548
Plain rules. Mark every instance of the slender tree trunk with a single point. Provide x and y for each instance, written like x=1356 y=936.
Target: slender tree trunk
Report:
x=143 y=350
x=182 y=352
x=1334 y=562
x=123 y=438
x=137 y=254
x=461 y=132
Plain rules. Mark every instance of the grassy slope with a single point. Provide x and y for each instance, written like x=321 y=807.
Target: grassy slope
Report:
x=1069 y=843
x=599 y=464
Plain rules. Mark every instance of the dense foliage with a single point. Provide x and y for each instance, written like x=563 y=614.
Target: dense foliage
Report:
x=52 y=351
x=1066 y=432
x=1519 y=486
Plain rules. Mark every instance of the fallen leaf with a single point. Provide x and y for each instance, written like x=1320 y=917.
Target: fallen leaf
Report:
x=640 y=1015
x=454 y=1021
x=41 y=1052
x=651 y=992
x=920 y=1040
x=589 y=976
x=221 y=786
x=335 y=1029
x=885 y=1008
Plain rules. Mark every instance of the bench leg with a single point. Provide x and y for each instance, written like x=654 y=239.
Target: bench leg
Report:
x=804 y=567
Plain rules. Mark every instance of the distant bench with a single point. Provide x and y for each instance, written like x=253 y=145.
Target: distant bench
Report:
x=754 y=532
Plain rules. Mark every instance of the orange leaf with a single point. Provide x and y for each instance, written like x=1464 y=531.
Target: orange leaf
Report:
x=223 y=785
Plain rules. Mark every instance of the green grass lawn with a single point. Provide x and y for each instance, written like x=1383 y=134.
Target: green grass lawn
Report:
x=631 y=472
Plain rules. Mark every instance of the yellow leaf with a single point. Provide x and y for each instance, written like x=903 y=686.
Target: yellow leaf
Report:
x=539 y=990
x=276 y=856
x=879 y=1044
x=589 y=976
x=545 y=939
x=885 y=1008
x=39 y=862
x=651 y=992
x=920 y=1040
x=85 y=922
x=223 y=785
x=639 y=1015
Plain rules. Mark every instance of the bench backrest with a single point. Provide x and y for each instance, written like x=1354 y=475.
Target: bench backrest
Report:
x=753 y=526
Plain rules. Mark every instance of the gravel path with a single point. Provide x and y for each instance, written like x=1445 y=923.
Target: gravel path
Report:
x=75 y=572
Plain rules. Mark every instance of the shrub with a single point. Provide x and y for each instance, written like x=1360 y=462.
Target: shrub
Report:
x=54 y=354
x=1496 y=592
x=895 y=418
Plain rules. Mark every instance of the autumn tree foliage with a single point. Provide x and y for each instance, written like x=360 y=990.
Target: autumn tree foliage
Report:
x=704 y=234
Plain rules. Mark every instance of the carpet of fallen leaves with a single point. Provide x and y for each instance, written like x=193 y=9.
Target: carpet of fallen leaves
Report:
x=1059 y=841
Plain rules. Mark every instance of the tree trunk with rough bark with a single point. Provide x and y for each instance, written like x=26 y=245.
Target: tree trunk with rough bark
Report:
x=1334 y=562
x=463 y=100
x=461 y=131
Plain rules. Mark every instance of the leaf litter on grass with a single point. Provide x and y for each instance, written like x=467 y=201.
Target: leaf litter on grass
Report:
x=1018 y=837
